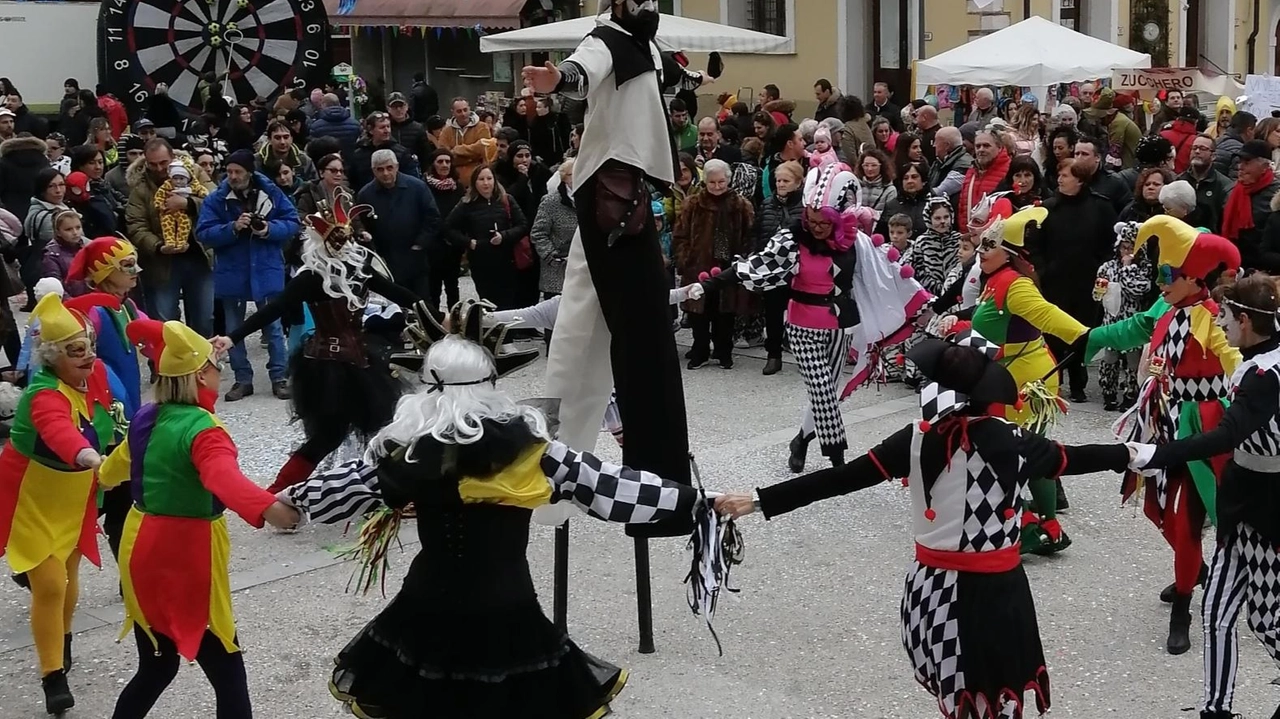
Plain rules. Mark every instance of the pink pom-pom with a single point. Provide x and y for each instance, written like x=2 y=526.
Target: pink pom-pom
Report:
x=715 y=271
x=907 y=272
x=877 y=240
x=900 y=360
x=894 y=254
x=703 y=276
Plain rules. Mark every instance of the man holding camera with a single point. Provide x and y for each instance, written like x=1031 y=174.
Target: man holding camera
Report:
x=246 y=222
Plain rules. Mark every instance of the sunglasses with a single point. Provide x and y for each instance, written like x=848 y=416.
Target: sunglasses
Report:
x=335 y=170
x=1167 y=274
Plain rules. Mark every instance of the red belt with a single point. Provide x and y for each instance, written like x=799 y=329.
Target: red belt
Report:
x=993 y=562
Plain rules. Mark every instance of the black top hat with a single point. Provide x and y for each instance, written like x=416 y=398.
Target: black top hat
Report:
x=961 y=369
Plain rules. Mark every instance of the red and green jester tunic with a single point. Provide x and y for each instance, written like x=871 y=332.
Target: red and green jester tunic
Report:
x=1184 y=393
x=183 y=472
x=47 y=501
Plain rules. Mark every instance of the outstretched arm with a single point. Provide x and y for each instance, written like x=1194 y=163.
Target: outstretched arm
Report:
x=345 y=492
x=1046 y=458
x=889 y=459
x=612 y=492
x=1255 y=402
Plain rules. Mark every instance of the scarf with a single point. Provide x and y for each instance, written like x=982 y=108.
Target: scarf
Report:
x=447 y=184
x=1237 y=216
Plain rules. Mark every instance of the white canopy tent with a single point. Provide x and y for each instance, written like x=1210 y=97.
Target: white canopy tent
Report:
x=674 y=33
x=1033 y=53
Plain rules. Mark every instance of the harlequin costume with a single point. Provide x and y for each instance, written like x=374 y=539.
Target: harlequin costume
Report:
x=183 y=474
x=47 y=509
x=968 y=619
x=1248 y=547
x=1184 y=393
x=110 y=314
x=465 y=636
x=844 y=291
x=338 y=385
x=1012 y=313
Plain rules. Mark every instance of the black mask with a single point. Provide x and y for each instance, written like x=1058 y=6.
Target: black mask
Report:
x=640 y=22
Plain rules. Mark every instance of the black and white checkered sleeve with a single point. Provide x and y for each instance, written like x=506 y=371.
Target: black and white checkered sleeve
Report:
x=347 y=491
x=771 y=267
x=612 y=492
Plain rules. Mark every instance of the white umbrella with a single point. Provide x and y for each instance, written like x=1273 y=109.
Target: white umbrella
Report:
x=674 y=33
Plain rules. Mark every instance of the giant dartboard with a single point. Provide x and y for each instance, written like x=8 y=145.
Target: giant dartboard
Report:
x=263 y=46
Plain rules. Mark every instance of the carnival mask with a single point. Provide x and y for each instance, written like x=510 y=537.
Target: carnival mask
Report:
x=639 y=17
x=333 y=224
x=1229 y=321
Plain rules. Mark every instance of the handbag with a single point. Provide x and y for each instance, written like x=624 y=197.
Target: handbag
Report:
x=524 y=255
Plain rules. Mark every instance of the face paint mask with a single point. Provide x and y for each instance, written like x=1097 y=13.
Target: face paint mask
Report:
x=1230 y=324
x=640 y=18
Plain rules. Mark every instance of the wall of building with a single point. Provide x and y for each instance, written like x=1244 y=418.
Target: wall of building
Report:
x=794 y=73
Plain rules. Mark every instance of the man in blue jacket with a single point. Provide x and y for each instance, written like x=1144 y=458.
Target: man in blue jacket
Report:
x=336 y=121
x=246 y=222
x=406 y=220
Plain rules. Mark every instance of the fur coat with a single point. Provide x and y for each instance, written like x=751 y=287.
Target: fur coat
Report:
x=693 y=242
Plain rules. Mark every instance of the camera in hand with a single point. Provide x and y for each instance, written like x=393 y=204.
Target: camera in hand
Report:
x=257 y=223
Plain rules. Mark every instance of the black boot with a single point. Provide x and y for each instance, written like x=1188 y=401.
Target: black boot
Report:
x=1063 y=504
x=1180 y=625
x=835 y=454
x=772 y=366
x=1168 y=593
x=799 y=450
x=21 y=580
x=57 y=695
x=66 y=653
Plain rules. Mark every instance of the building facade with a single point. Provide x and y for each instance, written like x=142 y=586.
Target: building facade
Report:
x=854 y=43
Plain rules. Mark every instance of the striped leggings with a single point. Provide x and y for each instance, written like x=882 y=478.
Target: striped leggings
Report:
x=1245 y=571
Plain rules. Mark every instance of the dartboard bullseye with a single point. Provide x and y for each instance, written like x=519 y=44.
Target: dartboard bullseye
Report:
x=261 y=47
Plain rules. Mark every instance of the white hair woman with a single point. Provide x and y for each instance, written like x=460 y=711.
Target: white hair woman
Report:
x=714 y=226
x=466 y=636
x=64 y=422
x=182 y=467
x=338 y=385
x=1178 y=199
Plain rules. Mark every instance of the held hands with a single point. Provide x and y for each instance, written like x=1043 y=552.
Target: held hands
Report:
x=221 y=344
x=1140 y=456
x=541 y=79
x=88 y=458
x=735 y=505
x=282 y=515
x=694 y=291
x=946 y=323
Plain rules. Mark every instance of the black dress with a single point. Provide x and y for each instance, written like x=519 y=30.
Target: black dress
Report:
x=466 y=638
x=338 y=383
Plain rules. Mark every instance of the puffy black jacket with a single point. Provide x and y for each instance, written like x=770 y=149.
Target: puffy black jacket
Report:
x=21 y=158
x=776 y=213
x=413 y=136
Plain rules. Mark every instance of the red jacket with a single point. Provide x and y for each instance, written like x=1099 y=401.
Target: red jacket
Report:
x=116 y=114
x=978 y=183
x=1181 y=134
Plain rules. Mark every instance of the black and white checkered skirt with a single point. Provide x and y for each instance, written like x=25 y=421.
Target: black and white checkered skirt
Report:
x=974 y=642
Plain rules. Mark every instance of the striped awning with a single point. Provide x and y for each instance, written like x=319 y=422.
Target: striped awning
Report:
x=426 y=13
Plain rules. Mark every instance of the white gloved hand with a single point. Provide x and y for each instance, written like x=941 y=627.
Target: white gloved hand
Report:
x=695 y=291
x=88 y=458
x=283 y=498
x=556 y=514
x=1139 y=456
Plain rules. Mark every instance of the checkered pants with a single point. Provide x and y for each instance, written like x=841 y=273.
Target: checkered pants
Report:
x=1245 y=569
x=820 y=354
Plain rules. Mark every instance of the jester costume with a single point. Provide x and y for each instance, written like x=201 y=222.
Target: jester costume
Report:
x=466 y=637
x=183 y=474
x=338 y=384
x=844 y=291
x=110 y=313
x=968 y=619
x=1012 y=313
x=1184 y=393
x=47 y=510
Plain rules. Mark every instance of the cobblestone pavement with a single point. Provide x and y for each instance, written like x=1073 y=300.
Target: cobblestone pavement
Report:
x=813 y=634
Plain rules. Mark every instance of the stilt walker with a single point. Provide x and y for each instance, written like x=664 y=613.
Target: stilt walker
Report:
x=1247 y=558
x=1184 y=393
x=844 y=290
x=614 y=326
x=968 y=619
x=48 y=513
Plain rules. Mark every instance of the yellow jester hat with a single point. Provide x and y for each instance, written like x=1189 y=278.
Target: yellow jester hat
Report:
x=1181 y=247
x=1007 y=228
x=175 y=348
